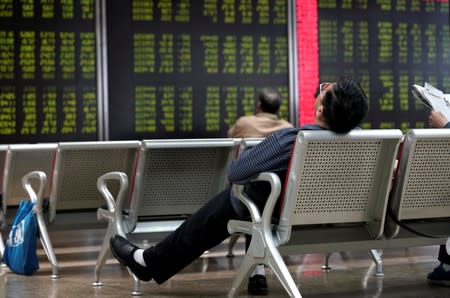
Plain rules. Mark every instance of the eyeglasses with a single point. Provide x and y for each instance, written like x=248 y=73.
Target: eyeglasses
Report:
x=321 y=87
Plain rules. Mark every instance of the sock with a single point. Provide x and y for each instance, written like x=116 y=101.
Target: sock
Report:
x=259 y=270
x=446 y=266
x=138 y=256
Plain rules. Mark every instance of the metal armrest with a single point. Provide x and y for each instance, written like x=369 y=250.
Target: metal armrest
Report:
x=38 y=197
x=103 y=214
x=266 y=217
x=239 y=226
x=115 y=206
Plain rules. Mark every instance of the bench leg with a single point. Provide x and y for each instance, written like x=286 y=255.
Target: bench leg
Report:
x=326 y=259
x=233 y=239
x=376 y=257
x=2 y=246
x=2 y=251
x=262 y=250
x=247 y=266
x=276 y=263
x=103 y=254
x=47 y=245
x=137 y=285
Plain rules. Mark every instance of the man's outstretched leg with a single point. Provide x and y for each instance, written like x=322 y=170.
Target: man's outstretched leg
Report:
x=203 y=230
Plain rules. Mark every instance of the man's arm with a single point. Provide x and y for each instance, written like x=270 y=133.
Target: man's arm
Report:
x=272 y=154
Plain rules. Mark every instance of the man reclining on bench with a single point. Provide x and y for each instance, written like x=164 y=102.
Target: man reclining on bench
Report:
x=339 y=107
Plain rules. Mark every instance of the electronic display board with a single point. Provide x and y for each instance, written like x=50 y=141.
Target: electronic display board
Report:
x=189 y=69
x=389 y=45
x=47 y=71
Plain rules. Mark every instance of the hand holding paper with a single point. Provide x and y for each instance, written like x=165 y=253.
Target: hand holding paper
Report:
x=433 y=98
x=437 y=119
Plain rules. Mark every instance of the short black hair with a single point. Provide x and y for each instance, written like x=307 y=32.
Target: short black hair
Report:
x=270 y=100
x=345 y=105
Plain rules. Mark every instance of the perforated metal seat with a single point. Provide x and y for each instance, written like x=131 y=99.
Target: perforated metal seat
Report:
x=336 y=195
x=177 y=180
x=421 y=194
x=73 y=190
x=20 y=160
x=174 y=178
x=78 y=166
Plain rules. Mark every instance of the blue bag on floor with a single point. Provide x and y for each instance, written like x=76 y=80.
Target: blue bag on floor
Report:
x=20 y=250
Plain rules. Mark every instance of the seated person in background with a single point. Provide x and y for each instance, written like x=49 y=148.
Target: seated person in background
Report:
x=339 y=107
x=264 y=122
x=441 y=274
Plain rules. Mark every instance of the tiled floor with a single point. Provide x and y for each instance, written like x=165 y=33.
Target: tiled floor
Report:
x=212 y=275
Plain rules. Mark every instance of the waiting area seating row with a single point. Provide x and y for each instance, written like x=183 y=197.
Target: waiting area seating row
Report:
x=173 y=179
x=71 y=170
x=170 y=179
x=341 y=193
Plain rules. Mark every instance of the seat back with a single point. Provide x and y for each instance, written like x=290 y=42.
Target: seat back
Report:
x=20 y=160
x=78 y=166
x=247 y=143
x=338 y=179
x=422 y=188
x=176 y=177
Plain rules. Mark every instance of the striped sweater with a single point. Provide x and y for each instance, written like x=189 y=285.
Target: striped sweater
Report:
x=271 y=155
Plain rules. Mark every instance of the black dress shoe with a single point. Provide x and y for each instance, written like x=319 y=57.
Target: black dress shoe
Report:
x=124 y=250
x=257 y=285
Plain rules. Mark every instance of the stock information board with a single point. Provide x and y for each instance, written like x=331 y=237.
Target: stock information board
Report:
x=188 y=69
x=47 y=71
x=390 y=45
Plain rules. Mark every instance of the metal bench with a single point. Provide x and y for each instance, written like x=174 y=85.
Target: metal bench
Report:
x=335 y=199
x=421 y=194
x=173 y=179
x=74 y=197
x=20 y=160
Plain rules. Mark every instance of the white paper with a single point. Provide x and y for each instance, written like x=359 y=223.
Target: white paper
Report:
x=433 y=98
x=417 y=91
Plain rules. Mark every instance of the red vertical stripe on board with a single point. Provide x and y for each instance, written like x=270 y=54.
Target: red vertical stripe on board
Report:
x=308 y=58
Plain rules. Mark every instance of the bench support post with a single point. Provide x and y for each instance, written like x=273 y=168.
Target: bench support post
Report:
x=38 y=200
x=376 y=257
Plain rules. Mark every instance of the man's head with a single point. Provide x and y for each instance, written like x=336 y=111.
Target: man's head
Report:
x=340 y=106
x=269 y=101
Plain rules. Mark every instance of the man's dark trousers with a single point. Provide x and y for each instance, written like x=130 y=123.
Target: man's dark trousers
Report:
x=203 y=230
x=443 y=255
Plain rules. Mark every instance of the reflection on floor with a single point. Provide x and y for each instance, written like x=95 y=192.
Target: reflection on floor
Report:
x=212 y=275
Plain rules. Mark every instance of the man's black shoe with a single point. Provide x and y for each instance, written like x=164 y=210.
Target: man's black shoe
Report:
x=124 y=250
x=257 y=285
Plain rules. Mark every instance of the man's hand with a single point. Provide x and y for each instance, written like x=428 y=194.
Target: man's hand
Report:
x=437 y=119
